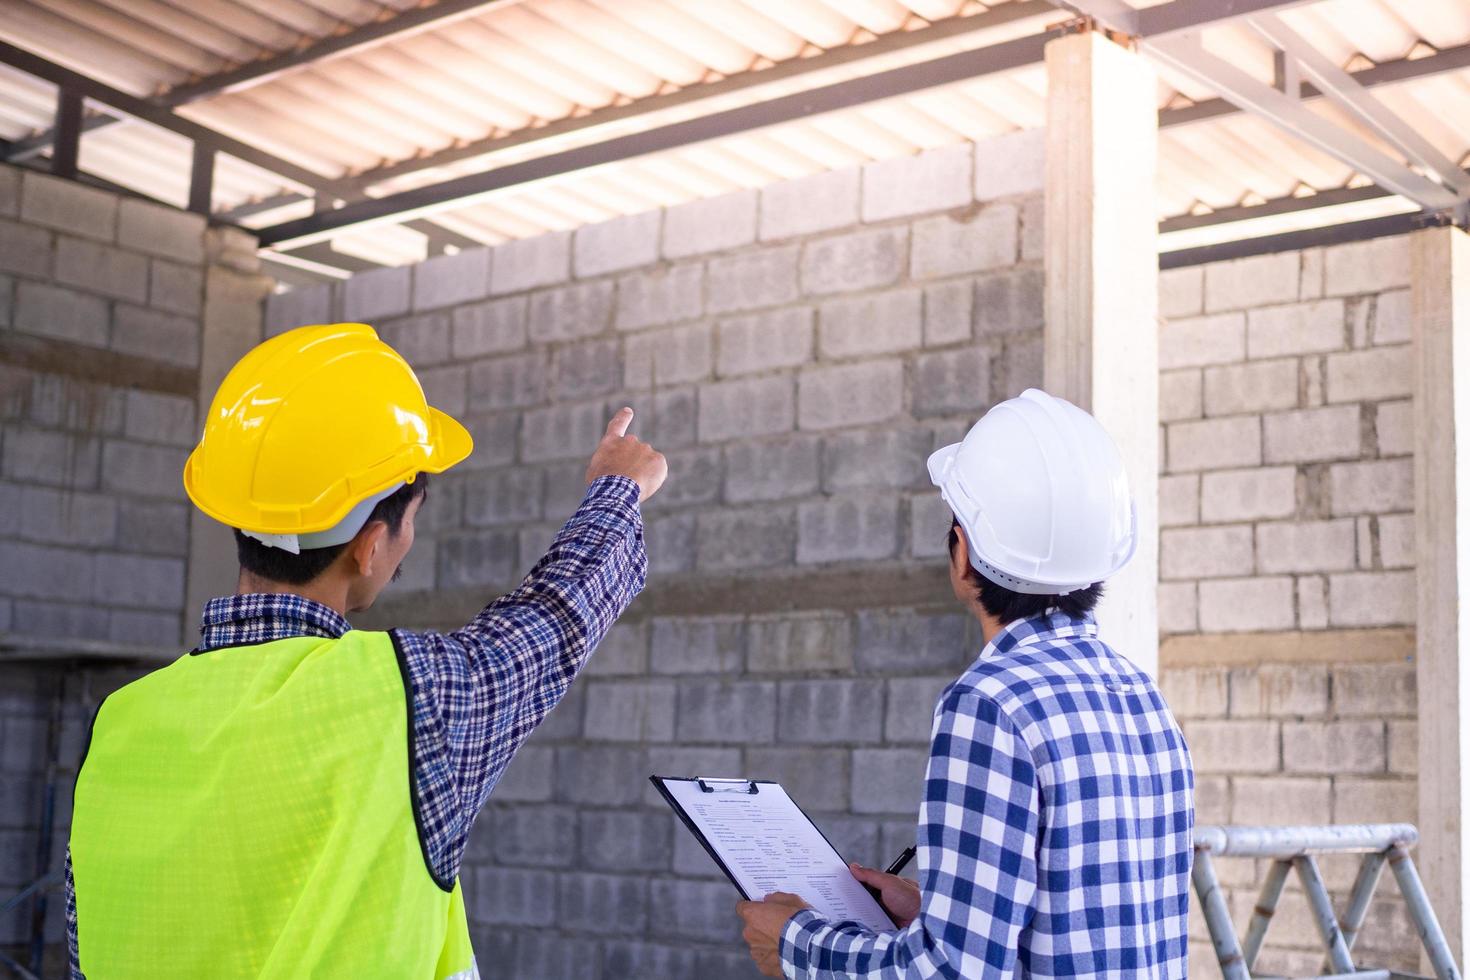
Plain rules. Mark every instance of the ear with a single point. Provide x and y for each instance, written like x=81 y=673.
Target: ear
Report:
x=367 y=545
x=961 y=557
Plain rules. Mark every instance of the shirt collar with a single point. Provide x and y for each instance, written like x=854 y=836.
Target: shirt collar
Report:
x=1049 y=625
x=260 y=617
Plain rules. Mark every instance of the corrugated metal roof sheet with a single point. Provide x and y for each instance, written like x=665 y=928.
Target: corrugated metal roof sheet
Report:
x=504 y=70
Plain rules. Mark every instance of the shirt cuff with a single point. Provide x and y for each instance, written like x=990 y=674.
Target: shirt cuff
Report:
x=796 y=939
x=613 y=490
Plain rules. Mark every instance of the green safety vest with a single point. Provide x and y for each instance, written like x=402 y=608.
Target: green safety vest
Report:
x=249 y=812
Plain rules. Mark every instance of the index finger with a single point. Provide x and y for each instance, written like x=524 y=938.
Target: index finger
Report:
x=619 y=424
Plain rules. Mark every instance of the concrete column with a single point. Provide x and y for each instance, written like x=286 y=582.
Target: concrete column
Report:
x=232 y=323
x=1102 y=336
x=1440 y=311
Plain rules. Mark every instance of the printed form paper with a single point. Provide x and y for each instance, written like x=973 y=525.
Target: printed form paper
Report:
x=769 y=845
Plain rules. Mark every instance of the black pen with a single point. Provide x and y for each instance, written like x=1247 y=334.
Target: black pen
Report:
x=902 y=860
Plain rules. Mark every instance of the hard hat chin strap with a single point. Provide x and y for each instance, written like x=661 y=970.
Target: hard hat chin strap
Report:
x=340 y=533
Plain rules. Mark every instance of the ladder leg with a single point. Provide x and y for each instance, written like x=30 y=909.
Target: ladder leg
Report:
x=1311 y=876
x=1265 y=909
x=1217 y=917
x=1440 y=957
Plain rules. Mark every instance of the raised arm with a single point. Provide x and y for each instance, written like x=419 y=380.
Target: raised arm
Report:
x=978 y=829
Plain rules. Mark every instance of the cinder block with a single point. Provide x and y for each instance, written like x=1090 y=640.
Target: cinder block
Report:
x=803 y=642
x=712 y=224
x=698 y=910
x=583 y=901
x=1367 y=267
x=908 y=642
x=611 y=246
x=626 y=840
x=586 y=369
x=25 y=249
x=1182 y=292
x=60 y=459
x=1247 y=495
x=1313 y=435
x=875 y=323
x=695 y=477
x=1372 y=598
x=377 y=294
x=822 y=774
x=1255 y=281
x=476 y=559
x=1010 y=164
x=446 y=389
x=56 y=401
x=929 y=523
x=1396 y=544
x=1299 y=328
x=601 y=775
x=154 y=417
x=70 y=517
x=139 y=581
x=1395 y=428
x=534 y=836
x=623 y=651
x=160 y=230
x=1009 y=302
x=1372 y=486
x=508 y=382
x=152 y=527
x=561 y=431
x=551 y=954
x=772 y=470
x=857 y=394
x=1278 y=691
x=665 y=419
x=745 y=409
x=1334 y=746
x=446 y=280
x=61 y=313
x=863 y=259
x=1307 y=546
x=176 y=288
x=912 y=703
x=1178 y=607
x=71 y=620
x=233 y=248
x=671 y=543
x=1219 y=746
x=1403 y=748
x=1375 y=800
x=160 y=336
x=530 y=262
x=149 y=470
x=1179 y=499
x=1281 y=800
x=763 y=341
x=1181 y=395
x=948 y=312
x=505 y=496
x=948 y=245
x=630 y=711
x=658 y=296
x=1214 y=443
x=700 y=645
x=726 y=711
x=1245 y=604
x=888 y=780
x=10 y=191
x=644 y=959
x=1206 y=552
x=934 y=180
x=491 y=327
x=877 y=458
x=422 y=339
x=1370 y=375
x=67 y=206
x=810 y=204
x=512 y=897
x=951 y=382
x=763 y=537
x=1392 y=320
x=831 y=711
x=850 y=528
x=1198 y=341
x=752 y=280
x=298 y=307
x=1033 y=229
x=582 y=309
x=1196 y=692
x=1374 y=690
x=666 y=357
x=1258 y=386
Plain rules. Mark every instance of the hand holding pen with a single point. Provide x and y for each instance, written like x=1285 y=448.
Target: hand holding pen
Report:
x=900 y=897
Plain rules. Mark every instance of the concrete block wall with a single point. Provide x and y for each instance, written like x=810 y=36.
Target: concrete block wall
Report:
x=1287 y=560
x=797 y=352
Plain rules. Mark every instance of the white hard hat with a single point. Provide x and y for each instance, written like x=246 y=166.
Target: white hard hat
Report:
x=1040 y=490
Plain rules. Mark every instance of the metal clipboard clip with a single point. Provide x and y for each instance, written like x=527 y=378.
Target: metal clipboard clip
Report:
x=709 y=784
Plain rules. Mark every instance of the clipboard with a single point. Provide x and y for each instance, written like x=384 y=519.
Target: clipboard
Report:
x=802 y=859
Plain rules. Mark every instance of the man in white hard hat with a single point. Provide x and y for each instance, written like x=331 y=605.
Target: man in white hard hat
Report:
x=1054 y=837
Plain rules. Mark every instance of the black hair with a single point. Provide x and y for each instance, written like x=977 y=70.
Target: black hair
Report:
x=278 y=565
x=1008 y=606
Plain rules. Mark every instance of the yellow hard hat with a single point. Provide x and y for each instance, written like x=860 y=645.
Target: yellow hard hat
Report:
x=312 y=423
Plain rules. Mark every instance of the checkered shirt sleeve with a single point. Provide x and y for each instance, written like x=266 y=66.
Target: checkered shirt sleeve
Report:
x=1055 y=833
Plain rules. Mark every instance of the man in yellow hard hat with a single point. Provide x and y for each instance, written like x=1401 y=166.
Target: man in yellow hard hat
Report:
x=292 y=798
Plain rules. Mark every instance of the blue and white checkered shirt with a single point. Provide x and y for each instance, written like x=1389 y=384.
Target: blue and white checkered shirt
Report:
x=1055 y=835
x=479 y=691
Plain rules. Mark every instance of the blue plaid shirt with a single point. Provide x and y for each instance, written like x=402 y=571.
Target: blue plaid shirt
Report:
x=479 y=691
x=1055 y=836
